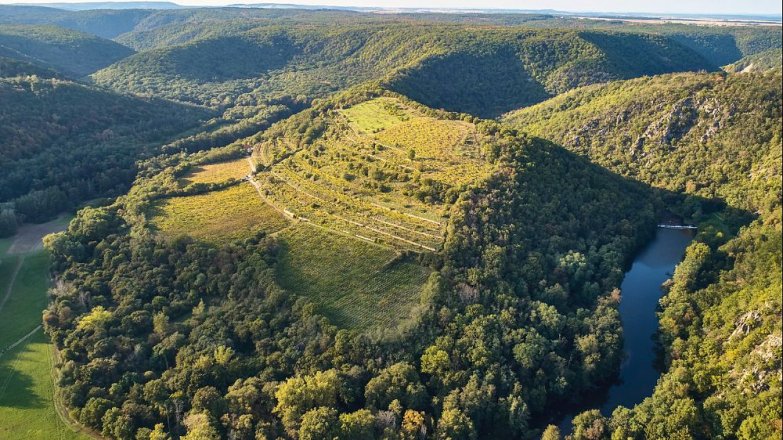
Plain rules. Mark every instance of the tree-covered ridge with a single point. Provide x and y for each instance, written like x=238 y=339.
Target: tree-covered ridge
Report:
x=711 y=135
x=13 y=67
x=442 y=66
x=105 y=23
x=67 y=51
x=62 y=143
x=718 y=137
x=758 y=62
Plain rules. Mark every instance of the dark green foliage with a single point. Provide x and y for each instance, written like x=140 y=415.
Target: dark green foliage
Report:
x=710 y=135
x=484 y=72
x=482 y=84
x=519 y=317
x=8 y=222
x=530 y=291
x=13 y=67
x=70 y=52
x=103 y=23
x=63 y=143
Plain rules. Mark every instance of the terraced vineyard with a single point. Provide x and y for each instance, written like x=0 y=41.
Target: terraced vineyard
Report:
x=384 y=173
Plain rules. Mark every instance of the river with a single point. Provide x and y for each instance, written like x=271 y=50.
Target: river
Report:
x=641 y=290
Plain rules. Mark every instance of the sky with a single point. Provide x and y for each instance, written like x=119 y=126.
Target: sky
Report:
x=746 y=7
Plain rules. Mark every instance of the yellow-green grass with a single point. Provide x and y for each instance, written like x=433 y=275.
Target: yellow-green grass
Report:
x=388 y=186
x=219 y=216
x=377 y=114
x=27 y=409
x=356 y=284
x=218 y=172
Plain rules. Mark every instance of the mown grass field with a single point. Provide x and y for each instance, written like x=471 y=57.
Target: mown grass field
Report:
x=218 y=216
x=27 y=410
x=354 y=283
x=218 y=172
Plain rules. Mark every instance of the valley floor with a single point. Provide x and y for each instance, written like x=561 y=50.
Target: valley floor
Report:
x=27 y=401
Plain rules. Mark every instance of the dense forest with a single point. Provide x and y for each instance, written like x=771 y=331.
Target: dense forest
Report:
x=326 y=224
x=717 y=137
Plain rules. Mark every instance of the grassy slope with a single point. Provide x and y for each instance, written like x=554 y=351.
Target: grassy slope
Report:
x=218 y=216
x=218 y=172
x=353 y=283
x=367 y=184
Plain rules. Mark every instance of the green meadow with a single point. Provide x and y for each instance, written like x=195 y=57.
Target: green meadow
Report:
x=27 y=398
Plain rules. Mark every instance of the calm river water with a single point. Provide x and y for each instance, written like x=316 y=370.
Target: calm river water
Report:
x=641 y=290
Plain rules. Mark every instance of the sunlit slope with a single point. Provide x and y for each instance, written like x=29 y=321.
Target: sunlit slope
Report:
x=381 y=170
x=706 y=134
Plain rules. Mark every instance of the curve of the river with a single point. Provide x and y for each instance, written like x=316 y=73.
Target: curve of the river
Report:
x=641 y=290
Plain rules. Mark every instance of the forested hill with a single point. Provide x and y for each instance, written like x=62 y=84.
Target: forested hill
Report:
x=73 y=53
x=484 y=72
x=62 y=143
x=517 y=318
x=103 y=23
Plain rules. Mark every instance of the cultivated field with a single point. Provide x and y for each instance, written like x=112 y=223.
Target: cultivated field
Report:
x=388 y=176
x=354 y=283
x=217 y=172
x=378 y=114
x=218 y=216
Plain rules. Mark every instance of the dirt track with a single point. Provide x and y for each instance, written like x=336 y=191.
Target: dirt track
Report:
x=28 y=237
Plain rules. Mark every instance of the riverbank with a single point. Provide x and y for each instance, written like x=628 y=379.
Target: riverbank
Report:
x=641 y=290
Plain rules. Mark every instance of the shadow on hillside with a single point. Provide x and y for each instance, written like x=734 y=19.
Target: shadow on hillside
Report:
x=484 y=84
x=16 y=385
x=659 y=54
x=672 y=207
x=230 y=58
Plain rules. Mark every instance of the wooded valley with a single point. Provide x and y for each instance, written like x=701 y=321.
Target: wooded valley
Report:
x=330 y=224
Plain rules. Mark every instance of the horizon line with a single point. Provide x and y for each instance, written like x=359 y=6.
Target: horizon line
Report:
x=431 y=9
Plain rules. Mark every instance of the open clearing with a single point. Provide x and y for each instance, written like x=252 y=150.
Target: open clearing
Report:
x=27 y=409
x=28 y=237
x=218 y=216
x=377 y=114
x=354 y=283
x=218 y=172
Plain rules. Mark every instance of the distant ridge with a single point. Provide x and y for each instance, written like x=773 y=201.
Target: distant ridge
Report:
x=728 y=18
x=86 y=6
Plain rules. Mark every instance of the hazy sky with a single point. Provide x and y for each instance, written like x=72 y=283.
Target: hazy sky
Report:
x=657 y=6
